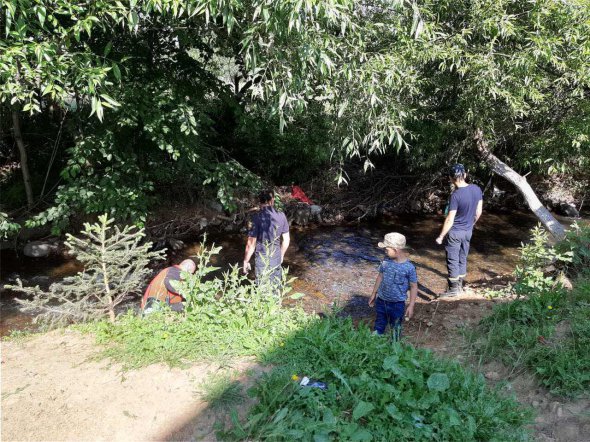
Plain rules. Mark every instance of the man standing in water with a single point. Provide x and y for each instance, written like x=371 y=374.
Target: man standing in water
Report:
x=264 y=238
x=465 y=207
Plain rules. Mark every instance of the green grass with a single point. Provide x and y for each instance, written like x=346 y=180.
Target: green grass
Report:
x=522 y=334
x=221 y=391
x=224 y=317
x=377 y=390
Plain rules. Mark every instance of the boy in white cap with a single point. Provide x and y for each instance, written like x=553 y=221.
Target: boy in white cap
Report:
x=396 y=276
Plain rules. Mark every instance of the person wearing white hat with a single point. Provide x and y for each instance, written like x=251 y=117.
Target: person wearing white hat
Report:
x=396 y=276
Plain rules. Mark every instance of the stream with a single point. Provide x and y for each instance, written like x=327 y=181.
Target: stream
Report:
x=333 y=265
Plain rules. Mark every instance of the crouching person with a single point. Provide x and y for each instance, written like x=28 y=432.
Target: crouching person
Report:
x=161 y=291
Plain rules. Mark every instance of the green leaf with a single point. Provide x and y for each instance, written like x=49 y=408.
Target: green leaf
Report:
x=361 y=435
x=281 y=415
x=393 y=411
x=438 y=382
x=297 y=295
x=108 y=48
x=362 y=409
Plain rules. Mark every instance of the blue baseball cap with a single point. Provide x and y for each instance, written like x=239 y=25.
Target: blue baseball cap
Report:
x=457 y=170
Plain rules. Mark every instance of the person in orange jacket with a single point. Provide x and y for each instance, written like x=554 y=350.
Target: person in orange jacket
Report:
x=161 y=290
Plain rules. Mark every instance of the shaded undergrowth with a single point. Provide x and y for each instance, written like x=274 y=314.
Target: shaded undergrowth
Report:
x=377 y=390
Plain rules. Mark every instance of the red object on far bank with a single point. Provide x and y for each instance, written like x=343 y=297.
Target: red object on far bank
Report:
x=298 y=193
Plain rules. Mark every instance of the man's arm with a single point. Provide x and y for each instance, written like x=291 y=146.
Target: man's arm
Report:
x=250 y=248
x=413 y=295
x=449 y=220
x=375 y=288
x=285 y=245
x=478 y=210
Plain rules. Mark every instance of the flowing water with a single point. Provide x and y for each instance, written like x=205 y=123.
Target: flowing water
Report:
x=333 y=265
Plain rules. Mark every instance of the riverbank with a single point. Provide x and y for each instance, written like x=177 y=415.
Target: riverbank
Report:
x=54 y=387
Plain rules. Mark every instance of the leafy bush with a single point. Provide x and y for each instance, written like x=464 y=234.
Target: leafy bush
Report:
x=227 y=316
x=377 y=390
x=535 y=257
x=7 y=226
x=548 y=331
x=577 y=242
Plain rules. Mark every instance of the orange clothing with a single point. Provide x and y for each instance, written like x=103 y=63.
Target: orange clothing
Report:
x=157 y=289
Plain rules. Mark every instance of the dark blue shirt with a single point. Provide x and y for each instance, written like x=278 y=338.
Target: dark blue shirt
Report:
x=464 y=200
x=267 y=227
x=396 y=280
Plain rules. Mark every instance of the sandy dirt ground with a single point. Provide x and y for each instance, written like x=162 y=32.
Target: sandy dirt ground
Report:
x=52 y=389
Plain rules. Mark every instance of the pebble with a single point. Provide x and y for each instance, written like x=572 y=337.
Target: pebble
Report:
x=492 y=375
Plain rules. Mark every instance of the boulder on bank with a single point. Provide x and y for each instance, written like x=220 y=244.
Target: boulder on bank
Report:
x=40 y=249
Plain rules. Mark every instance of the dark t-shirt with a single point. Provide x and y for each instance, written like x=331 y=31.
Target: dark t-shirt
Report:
x=267 y=227
x=464 y=200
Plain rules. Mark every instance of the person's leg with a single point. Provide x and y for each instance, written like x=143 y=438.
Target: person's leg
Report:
x=464 y=252
x=381 y=316
x=452 y=249
x=395 y=316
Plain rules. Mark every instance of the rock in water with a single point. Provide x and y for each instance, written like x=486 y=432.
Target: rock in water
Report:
x=39 y=249
x=176 y=244
x=569 y=210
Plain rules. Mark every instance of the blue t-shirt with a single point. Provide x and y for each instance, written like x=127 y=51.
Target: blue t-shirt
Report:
x=267 y=227
x=396 y=280
x=464 y=200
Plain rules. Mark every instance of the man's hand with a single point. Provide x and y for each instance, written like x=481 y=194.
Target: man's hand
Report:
x=410 y=311
x=372 y=300
x=439 y=240
x=246 y=267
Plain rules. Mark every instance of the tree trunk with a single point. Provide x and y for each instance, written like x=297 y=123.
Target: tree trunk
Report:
x=550 y=223
x=24 y=164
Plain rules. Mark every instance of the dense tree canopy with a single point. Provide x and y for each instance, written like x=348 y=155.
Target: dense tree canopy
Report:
x=196 y=96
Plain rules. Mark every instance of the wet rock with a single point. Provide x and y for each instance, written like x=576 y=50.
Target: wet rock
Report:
x=492 y=375
x=160 y=245
x=569 y=210
x=301 y=215
x=40 y=280
x=214 y=205
x=176 y=244
x=13 y=277
x=39 y=249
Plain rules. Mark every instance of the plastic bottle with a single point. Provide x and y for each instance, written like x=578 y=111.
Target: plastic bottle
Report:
x=313 y=383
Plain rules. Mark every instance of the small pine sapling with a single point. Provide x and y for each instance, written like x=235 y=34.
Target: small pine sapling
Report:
x=115 y=266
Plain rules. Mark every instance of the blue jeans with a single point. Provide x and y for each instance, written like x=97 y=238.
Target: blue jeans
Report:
x=391 y=313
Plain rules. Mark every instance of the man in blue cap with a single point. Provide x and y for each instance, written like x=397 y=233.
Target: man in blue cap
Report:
x=465 y=207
